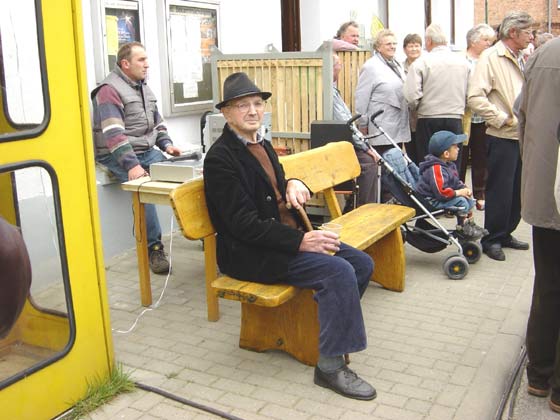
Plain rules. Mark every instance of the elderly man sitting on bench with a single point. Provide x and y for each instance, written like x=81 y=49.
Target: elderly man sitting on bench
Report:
x=259 y=235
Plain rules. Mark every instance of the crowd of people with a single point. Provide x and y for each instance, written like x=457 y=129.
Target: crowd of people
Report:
x=442 y=107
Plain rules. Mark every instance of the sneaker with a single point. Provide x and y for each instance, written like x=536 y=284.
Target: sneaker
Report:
x=470 y=230
x=159 y=263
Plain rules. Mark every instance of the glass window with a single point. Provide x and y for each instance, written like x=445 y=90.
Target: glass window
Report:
x=43 y=330
x=122 y=25
x=192 y=33
x=22 y=81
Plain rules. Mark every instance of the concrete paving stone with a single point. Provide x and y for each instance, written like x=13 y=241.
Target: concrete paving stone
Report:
x=414 y=359
x=354 y=415
x=245 y=415
x=161 y=354
x=428 y=373
x=271 y=396
x=417 y=406
x=201 y=378
x=133 y=360
x=314 y=408
x=425 y=342
x=376 y=352
x=440 y=412
x=149 y=417
x=278 y=412
x=223 y=371
x=266 y=382
x=459 y=325
x=414 y=392
x=196 y=392
x=195 y=363
x=452 y=396
x=145 y=376
x=222 y=358
x=482 y=341
x=398 y=377
x=127 y=414
x=377 y=364
x=364 y=407
x=445 y=365
x=439 y=355
x=454 y=348
x=168 y=411
x=396 y=346
x=411 y=332
x=185 y=350
x=180 y=338
x=394 y=413
x=230 y=399
x=473 y=357
x=489 y=326
x=394 y=400
x=463 y=375
x=437 y=385
x=311 y=391
x=146 y=401
x=231 y=385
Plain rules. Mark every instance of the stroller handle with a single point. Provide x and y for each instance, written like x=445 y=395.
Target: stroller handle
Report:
x=351 y=120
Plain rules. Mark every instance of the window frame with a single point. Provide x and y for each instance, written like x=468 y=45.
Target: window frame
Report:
x=169 y=107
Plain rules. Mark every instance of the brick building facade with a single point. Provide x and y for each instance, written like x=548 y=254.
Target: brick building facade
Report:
x=493 y=11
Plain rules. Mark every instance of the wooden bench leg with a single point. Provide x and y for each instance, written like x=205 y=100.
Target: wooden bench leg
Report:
x=292 y=327
x=388 y=255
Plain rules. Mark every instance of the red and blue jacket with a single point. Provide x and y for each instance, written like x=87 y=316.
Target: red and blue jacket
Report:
x=438 y=179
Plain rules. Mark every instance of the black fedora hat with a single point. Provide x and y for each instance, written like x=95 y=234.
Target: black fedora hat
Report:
x=238 y=85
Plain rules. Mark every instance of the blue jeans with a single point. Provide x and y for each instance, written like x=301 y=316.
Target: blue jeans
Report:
x=339 y=282
x=153 y=227
x=464 y=203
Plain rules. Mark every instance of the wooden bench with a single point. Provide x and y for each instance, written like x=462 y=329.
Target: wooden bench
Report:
x=280 y=316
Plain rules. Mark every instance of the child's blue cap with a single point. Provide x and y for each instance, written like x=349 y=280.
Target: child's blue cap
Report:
x=443 y=140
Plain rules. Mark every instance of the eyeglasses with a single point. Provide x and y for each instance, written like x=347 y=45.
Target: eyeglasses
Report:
x=244 y=107
x=526 y=31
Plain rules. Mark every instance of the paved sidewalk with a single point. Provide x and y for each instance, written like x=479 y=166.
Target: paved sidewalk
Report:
x=440 y=350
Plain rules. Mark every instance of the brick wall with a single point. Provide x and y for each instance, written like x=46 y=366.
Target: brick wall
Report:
x=538 y=9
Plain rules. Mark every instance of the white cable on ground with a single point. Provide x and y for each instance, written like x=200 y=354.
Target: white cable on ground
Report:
x=154 y=305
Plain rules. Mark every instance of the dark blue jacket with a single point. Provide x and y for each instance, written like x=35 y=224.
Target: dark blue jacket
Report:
x=438 y=179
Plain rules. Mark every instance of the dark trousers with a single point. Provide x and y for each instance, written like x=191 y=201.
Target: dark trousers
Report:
x=503 y=203
x=476 y=150
x=411 y=149
x=367 y=180
x=543 y=344
x=425 y=127
x=339 y=282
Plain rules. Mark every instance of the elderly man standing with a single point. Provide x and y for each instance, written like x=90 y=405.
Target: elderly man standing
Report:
x=539 y=119
x=259 y=235
x=126 y=127
x=496 y=82
x=436 y=87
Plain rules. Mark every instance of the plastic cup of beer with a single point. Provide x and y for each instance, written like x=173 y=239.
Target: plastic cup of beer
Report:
x=332 y=227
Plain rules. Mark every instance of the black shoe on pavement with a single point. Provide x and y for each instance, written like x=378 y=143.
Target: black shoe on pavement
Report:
x=495 y=252
x=344 y=381
x=540 y=391
x=516 y=244
x=158 y=260
x=554 y=402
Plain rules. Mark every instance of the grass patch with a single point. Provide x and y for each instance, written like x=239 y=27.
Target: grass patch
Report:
x=100 y=391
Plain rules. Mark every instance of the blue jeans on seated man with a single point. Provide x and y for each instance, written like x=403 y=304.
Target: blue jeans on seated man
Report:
x=153 y=227
x=339 y=282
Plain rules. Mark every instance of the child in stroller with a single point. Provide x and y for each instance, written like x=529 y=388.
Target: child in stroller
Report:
x=439 y=183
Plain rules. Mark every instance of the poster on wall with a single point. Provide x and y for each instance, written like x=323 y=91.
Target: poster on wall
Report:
x=193 y=33
x=121 y=26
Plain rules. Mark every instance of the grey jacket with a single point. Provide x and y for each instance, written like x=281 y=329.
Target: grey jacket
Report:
x=139 y=113
x=538 y=113
x=380 y=88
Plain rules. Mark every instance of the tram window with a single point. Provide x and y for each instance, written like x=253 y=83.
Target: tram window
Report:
x=22 y=104
x=192 y=32
x=122 y=25
x=44 y=330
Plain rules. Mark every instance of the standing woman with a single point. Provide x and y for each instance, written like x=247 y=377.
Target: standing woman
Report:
x=479 y=38
x=380 y=88
x=412 y=46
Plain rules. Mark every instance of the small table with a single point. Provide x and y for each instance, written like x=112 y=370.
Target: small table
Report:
x=145 y=191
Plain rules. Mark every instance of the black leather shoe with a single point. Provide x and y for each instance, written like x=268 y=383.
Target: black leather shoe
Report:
x=516 y=244
x=344 y=381
x=495 y=252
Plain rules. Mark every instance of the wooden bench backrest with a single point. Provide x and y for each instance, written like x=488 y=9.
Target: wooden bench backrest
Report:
x=320 y=169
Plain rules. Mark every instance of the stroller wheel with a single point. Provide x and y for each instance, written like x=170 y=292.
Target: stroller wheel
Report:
x=472 y=251
x=456 y=267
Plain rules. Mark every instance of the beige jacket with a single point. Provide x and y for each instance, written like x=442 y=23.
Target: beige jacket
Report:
x=494 y=85
x=436 y=84
x=538 y=110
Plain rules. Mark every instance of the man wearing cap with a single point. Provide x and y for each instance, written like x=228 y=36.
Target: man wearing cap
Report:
x=253 y=208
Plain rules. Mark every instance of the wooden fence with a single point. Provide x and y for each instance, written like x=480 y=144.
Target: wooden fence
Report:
x=352 y=62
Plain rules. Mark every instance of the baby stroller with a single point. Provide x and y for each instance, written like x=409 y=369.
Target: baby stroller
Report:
x=424 y=231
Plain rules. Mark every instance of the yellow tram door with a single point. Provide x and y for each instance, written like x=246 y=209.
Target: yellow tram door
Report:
x=60 y=337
